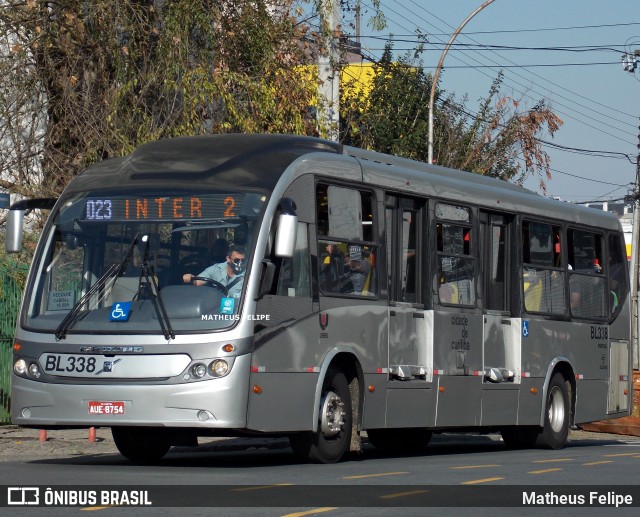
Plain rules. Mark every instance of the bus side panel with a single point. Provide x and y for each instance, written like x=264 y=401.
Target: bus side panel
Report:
x=410 y=408
x=530 y=401
x=374 y=415
x=591 y=404
x=457 y=344
x=459 y=401
x=301 y=349
x=499 y=405
x=285 y=402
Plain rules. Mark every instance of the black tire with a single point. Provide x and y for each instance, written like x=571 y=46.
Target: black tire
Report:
x=520 y=437
x=141 y=443
x=399 y=440
x=556 y=416
x=330 y=442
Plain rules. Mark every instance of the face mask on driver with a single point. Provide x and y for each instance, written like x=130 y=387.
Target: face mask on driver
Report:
x=238 y=266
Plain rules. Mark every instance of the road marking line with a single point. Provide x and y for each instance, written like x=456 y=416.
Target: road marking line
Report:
x=598 y=462
x=310 y=512
x=477 y=481
x=261 y=487
x=94 y=508
x=375 y=475
x=543 y=471
x=619 y=455
x=475 y=467
x=557 y=460
x=402 y=494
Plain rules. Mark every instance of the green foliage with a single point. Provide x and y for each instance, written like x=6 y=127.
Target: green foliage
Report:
x=111 y=75
x=498 y=141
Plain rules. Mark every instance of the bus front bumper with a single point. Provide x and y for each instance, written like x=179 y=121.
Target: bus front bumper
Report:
x=216 y=403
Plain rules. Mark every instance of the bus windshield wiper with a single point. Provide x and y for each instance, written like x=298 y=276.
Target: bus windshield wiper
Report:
x=158 y=304
x=114 y=271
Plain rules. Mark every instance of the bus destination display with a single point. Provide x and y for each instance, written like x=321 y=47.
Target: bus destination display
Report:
x=136 y=208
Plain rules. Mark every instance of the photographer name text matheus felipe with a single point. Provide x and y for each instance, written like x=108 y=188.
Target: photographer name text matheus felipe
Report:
x=235 y=317
x=589 y=499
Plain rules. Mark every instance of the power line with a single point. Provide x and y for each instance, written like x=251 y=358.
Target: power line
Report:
x=527 y=94
x=546 y=29
x=589 y=116
x=574 y=113
x=412 y=38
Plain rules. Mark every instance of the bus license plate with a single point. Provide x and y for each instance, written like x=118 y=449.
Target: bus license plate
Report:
x=106 y=408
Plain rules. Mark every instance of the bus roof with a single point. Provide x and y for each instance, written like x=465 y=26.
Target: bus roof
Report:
x=259 y=160
x=227 y=160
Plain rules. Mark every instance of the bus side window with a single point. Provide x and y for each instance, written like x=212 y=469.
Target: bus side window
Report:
x=455 y=264
x=587 y=283
x=543 y=280
x=293 y=275
x=345 y=233
x=617 y=271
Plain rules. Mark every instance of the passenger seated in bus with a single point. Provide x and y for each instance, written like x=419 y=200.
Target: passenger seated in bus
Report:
x=357 y=270
x=331 y=267
x=229 y=273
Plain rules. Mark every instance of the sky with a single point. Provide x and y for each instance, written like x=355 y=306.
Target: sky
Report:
x=586 y=85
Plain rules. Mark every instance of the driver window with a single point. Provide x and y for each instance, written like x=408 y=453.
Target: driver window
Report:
x=293 y=277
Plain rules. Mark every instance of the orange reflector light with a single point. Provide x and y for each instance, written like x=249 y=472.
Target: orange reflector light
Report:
x=372 y=388
x=228 y=347
x=441 y=389
x=257 y=389
x=17 y=347
x=626 y=392
x=534 y=390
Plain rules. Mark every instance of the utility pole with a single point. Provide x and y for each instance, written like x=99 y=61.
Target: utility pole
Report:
x=635 y=247
x=629 y=63
x=329 y=72
x=436 y=75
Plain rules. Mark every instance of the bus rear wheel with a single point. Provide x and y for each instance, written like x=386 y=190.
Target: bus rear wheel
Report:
x=141 y=443
x=329 y=443
x=556 y=417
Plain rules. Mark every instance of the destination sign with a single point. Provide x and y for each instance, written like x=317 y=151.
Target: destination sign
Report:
x=173 y=207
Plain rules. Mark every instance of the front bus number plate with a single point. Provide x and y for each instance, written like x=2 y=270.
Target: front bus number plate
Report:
x=106 y=408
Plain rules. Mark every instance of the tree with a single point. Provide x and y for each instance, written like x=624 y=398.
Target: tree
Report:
x=498 y=141
x=84 y=80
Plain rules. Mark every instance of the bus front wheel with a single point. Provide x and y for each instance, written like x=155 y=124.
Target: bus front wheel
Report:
x=329 y=443
x=141 y=443
x=556 y=417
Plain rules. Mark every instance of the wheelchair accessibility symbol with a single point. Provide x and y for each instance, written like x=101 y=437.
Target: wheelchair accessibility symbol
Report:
x=120 y=311
x=525 y=328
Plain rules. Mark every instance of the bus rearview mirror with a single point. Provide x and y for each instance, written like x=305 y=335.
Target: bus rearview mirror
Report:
x=15 y=230
x=286 y=235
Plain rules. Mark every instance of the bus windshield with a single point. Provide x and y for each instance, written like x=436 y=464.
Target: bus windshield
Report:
x=152 y=262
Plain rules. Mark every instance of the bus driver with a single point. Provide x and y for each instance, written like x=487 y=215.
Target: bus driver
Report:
x=230 y=273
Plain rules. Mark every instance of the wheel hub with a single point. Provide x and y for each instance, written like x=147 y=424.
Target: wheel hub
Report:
x=556 y=409
x=332 y=415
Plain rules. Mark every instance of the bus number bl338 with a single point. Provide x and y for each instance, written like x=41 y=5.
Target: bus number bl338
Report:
x=70 y=363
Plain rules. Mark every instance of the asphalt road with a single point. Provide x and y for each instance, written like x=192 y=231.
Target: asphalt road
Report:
x=260 y=477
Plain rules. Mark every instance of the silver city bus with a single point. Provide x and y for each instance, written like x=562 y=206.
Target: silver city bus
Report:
x=351 y=291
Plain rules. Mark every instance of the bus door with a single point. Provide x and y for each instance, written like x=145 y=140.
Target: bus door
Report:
x=410 y=342
x=501 y=343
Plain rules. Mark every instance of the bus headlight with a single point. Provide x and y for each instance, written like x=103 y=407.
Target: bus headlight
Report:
x=219 y=368
x=20 y=367
x=34 y=370
x=198 y=370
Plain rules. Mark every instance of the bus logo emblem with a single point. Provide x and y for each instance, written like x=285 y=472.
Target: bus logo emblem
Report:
x=324 y=321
